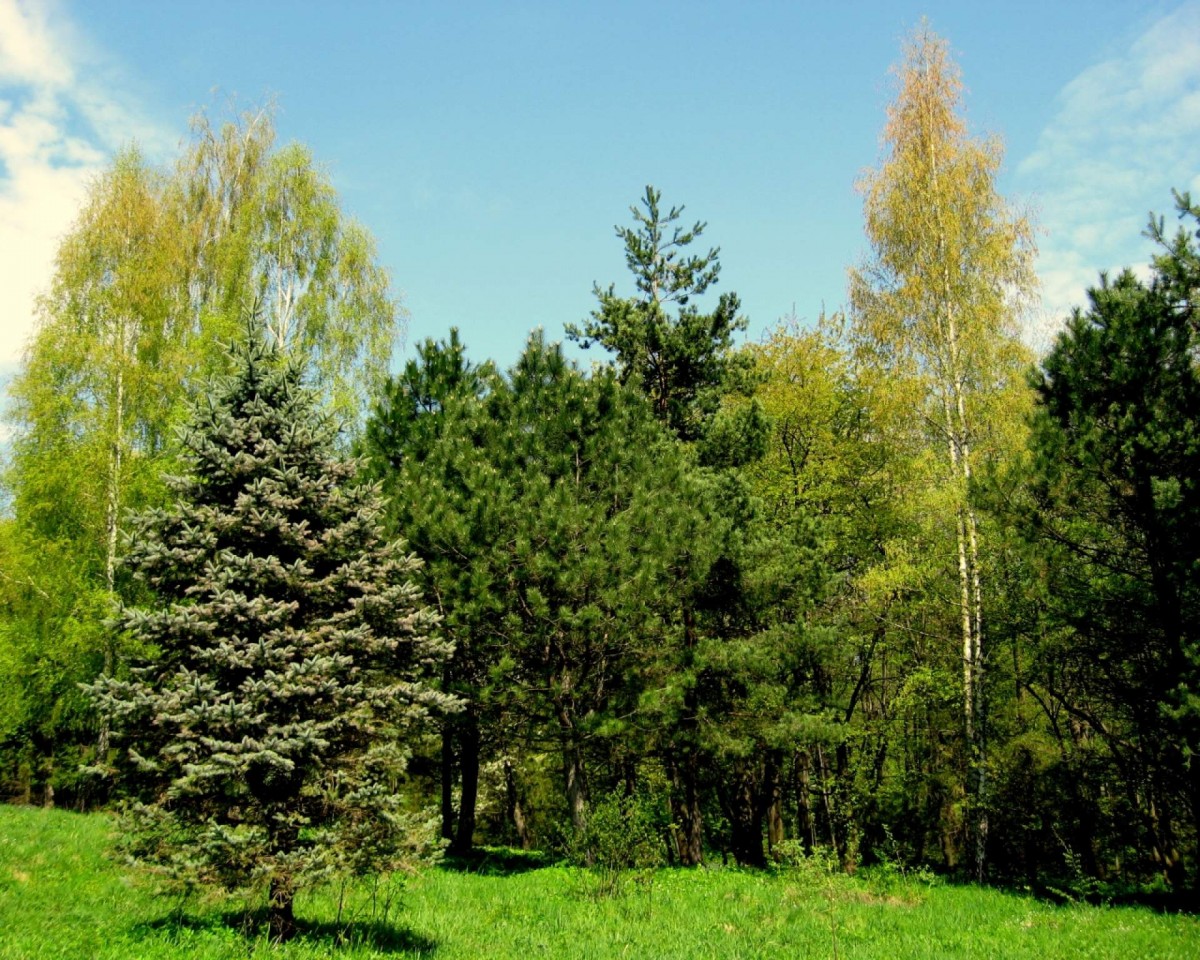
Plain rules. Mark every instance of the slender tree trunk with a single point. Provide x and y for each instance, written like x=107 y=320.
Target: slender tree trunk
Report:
x=447 y=779
x=978 y=744
x=978 y=729
x=574 y=776
x=512 y=798
x=112 y=522
x=576 y=790
x=805 y=823
x=827 y=799
x=958 y=437
x=469 y=761
x=683 y=769
x=774 y=798
x=683 y=762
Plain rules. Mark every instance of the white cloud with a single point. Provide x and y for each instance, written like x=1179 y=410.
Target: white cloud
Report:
x=27 y=52
x=1127 y=131
x=63 y=110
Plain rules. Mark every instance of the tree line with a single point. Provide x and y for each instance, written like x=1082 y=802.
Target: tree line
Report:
x=886 y=584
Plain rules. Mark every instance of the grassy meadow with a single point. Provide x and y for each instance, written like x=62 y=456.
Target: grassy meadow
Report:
x=60 y=896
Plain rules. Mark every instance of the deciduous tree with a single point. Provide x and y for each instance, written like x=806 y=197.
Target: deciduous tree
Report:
x=936 y=308
x=155 y=275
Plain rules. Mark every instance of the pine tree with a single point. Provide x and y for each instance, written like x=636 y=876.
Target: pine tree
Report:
x=682 y=363
x=432 y=437
x=267 y=737
x=1116 y=521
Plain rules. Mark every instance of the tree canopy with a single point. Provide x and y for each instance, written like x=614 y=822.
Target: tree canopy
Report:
x=879 y=589
x=152 y=282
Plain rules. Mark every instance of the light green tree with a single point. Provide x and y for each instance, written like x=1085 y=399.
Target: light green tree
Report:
x=159 y=271
x=263 y=232
x=935 y=309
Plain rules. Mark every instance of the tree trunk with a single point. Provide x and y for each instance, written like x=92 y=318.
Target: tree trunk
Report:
x=683 y=768
x=958 y=436
x=683 y=764
x=775 y=828
x=805 y=824
x=745 y=811
x=447 y=779
x=573 y=770
x=464 y=839
x=112 y=523
x=512 y=798
x=827 y=799
x=979 y=820
x=576 y=792
x=281 y=917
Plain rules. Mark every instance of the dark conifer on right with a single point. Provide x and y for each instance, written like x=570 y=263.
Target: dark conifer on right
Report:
x=1117 y=521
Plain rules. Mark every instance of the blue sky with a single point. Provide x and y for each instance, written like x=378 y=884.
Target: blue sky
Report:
x=491 y=147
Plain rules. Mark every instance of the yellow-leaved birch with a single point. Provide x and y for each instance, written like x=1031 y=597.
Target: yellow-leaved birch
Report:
x=935 y=310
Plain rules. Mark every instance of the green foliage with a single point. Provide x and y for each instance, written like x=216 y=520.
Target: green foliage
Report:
x=751 y=584
x=551 y=512
x=437 y=450
x=1116 y=520
x=260 y=228
x=935 y=315
x=682 y=363
x=624 y=831
x=267 y=738
x=147 y=290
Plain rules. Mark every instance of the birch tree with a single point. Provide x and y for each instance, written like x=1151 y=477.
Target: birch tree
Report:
x=93 y=396
x=157 y=274
x=936 y=306
x=264 y=232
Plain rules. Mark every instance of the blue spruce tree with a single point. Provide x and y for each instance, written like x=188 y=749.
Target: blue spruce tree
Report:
x=265 y=739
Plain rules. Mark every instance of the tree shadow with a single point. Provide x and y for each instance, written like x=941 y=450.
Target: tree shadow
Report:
x=496 y=861
x=1158 y=901
x=1066 y=891
x=377 y=935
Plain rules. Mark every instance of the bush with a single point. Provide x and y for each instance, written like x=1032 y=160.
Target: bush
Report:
x=624 y=832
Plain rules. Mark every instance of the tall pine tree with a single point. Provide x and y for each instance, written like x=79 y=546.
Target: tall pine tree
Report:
x=266 y=738
x=1116 y=520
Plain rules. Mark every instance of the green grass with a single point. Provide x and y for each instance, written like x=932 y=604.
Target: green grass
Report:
x=61 y=897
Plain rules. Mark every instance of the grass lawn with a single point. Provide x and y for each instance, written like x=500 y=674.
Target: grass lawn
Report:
x=61 y=897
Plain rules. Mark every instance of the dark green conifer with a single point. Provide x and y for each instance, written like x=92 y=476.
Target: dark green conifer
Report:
x=1116 y=520
x=266 y=739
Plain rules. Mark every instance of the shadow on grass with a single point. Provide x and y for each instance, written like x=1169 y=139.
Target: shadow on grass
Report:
x=383 y=937
x=1065 y=892
x=1159 y=901
x=497 y=861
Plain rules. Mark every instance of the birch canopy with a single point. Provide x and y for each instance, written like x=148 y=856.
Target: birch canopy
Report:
x=936 y=309
x=156 y=277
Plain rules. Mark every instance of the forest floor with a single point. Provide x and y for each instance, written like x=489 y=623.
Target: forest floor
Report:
x=61 y=896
